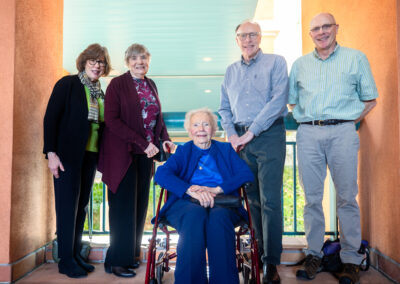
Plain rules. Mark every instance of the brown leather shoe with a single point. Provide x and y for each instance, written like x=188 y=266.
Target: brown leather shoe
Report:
x=310 y=268
x=271 y=275
x=350 y=274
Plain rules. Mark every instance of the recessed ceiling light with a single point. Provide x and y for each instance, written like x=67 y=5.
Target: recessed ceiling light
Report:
x=206 y=59
x=207 y=91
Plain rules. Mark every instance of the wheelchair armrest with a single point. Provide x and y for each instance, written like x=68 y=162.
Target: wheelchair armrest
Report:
x=246 y=185
x=222 y=200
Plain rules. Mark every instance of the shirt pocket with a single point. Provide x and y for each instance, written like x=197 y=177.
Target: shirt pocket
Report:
x=347 y=83
x=261 y=84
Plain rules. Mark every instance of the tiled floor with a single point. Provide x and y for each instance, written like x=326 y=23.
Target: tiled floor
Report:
x=48 y=274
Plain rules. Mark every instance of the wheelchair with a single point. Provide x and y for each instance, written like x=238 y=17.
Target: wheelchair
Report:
x=247 y=259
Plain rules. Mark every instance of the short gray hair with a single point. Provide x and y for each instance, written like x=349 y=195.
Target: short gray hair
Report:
x=136 y=49
x=250 y=22
x=213 y=117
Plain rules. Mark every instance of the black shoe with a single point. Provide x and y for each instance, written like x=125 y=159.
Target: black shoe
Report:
x=135 y=265
x=350 y=274
x=271 y=275
x=107 y=267
x=86 y=266
x=72 y=269
x=121 y=271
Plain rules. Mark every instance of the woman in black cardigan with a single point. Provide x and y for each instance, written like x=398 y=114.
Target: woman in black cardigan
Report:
x=72 y=130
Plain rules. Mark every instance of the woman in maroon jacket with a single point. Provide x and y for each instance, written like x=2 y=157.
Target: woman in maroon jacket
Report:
x=134 y=127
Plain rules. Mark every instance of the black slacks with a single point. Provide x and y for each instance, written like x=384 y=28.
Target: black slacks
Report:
x=265 y=156
x=72 y=191
x=127 y=212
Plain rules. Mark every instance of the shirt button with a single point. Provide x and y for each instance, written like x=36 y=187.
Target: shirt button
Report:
x=247 y=104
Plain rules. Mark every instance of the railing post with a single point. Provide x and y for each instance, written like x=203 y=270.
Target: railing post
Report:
x=294 y=189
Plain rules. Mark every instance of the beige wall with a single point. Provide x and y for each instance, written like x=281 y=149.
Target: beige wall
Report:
x=372 y=27
x=31 y=56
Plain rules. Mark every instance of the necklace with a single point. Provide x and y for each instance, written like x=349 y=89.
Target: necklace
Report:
x=204 y=162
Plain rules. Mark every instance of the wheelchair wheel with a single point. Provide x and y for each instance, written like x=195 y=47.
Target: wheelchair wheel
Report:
x=246 y=274
x=159 y=269
x=247 y=277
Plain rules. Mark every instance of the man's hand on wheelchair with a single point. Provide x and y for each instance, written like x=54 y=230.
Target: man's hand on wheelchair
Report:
x=204 y=196
x=238 y=143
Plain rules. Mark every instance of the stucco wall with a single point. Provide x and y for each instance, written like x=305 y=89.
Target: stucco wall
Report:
x=7 y=35
x=38 y=65
x=372 y=27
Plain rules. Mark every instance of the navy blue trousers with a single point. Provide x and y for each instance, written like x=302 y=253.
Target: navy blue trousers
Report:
x=199 y=229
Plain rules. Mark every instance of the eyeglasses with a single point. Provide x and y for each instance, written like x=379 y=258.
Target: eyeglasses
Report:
x=243 y=36
x=93 y=62
x=324 y=28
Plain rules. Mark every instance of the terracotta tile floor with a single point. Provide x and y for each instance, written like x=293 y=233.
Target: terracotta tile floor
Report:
x=48 y=273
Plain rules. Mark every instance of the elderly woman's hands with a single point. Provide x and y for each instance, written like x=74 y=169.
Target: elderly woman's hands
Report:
x=54 y=164
x=205 y=197
x=151 y=150
x=215 y=190
x=168 y=146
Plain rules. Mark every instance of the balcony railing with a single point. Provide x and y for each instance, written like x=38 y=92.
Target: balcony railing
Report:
x=292 y=194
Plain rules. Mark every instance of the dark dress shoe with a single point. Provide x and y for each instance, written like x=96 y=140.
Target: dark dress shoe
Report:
x=271 y=275
x=107 y=267
x=121 y=271
x=86 y=266
x=135 y=265
x=72 y=269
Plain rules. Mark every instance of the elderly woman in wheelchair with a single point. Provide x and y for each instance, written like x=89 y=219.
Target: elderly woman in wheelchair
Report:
x=200 y=170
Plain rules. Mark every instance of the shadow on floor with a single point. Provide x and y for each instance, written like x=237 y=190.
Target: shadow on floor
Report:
x=48 y=273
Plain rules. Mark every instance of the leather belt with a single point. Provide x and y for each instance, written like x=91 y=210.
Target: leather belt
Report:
x=241 y=128
x=326 y=122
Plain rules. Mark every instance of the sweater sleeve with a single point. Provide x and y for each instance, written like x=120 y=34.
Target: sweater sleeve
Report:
x=54 y=112
x=167 y=175
x=112 y=118
x=164 y=133
x=241 y=173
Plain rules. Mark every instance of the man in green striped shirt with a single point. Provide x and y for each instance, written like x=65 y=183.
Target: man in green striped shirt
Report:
x=331 y=89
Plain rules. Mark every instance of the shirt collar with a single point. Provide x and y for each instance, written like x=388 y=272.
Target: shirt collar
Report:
x=254 y=59
x=333 y=52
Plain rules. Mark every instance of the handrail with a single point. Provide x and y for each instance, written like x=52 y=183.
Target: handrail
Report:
x=175 y=121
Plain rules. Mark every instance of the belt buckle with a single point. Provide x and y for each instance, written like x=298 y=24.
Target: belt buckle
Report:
x=320 y=123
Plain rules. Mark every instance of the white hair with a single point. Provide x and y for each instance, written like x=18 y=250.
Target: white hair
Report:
x=212 y=116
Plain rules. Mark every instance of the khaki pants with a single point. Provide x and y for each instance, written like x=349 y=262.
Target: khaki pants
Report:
x=335 y=146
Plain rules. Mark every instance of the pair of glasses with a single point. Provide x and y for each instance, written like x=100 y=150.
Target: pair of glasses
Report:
x=243 y=36
x=93 y=62
x=324 y=28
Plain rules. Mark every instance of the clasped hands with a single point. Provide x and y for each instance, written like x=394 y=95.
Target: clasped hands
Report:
x=238 y=143
x=204 y=194
x=152 y=150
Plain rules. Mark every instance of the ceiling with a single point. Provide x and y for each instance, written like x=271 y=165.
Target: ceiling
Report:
x=191 y=42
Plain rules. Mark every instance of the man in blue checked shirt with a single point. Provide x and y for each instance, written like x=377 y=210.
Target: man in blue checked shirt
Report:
x=331 y=89
x=254 y=95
